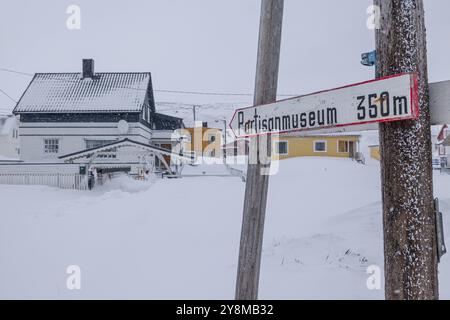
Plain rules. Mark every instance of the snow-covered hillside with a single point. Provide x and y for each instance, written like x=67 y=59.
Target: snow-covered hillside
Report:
x=204 y=112
x=179 y=238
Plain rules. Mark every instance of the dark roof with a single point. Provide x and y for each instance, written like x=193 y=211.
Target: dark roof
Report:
x=165 y=122
x=105 y=92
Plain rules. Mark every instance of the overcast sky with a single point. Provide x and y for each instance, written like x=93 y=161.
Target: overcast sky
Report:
x=199 y=45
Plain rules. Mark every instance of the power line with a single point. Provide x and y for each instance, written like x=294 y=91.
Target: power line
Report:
x=8 y=95
x=205 y=93
x=229 y=94
x=17 y=72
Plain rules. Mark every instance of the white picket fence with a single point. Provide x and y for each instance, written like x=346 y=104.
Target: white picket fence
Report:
x=59 y=180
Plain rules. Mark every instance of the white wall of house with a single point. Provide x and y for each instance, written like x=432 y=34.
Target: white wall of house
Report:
x=72 y=137
x=9 y=138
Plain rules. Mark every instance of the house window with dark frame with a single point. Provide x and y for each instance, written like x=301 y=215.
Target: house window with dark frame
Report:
x=343 y=146
x=281 y=147
x=51 y=146
x=212 y=138
x=320 y=146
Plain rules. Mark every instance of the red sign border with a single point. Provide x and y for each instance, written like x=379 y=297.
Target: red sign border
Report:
x=414 y=96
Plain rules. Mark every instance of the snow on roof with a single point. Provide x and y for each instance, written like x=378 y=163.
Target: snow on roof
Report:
x=6 y=159
x=7 y=124
x=68 y=92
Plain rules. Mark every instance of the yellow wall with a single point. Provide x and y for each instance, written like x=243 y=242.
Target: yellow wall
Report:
x=200 y=142
x=375 y=153
x=304 y=146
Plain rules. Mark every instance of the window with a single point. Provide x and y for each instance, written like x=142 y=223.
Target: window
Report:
x=320 y=146
x=343 y=146
x=90 y=144
x=51 y=145
x=211 y=137
x=281 y=147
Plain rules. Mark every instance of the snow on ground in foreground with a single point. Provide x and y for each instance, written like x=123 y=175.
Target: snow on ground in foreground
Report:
x=179 y=239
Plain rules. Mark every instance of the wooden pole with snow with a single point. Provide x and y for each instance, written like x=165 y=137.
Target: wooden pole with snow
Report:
x=406 y=160
x=259 y=160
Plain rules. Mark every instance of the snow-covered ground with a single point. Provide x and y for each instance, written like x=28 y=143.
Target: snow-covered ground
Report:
x=179 y=238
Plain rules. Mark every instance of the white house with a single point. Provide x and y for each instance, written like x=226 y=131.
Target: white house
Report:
x=9 y=138
x=63 y=114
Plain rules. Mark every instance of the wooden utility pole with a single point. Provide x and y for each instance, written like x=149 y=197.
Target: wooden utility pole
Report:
x=406 y=161
x=259 y=159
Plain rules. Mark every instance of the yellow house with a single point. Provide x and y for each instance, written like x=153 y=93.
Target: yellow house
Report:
x=338 y=146
x=203 y=141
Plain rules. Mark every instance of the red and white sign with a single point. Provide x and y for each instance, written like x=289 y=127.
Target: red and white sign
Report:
x=386 y=99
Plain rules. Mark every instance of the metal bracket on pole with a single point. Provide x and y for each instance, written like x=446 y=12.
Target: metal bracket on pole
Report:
x=439 y=231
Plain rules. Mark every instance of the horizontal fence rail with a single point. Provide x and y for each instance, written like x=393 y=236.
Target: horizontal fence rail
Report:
x=58 y=180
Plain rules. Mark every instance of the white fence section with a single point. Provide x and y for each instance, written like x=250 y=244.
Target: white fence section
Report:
x=64 y=176
x=59 y=180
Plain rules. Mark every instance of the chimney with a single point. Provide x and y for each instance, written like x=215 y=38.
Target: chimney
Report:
x=88 y=68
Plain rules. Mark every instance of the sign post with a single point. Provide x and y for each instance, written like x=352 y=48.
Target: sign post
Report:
x=409 y=228
x=257 y=185
x=387 y=99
